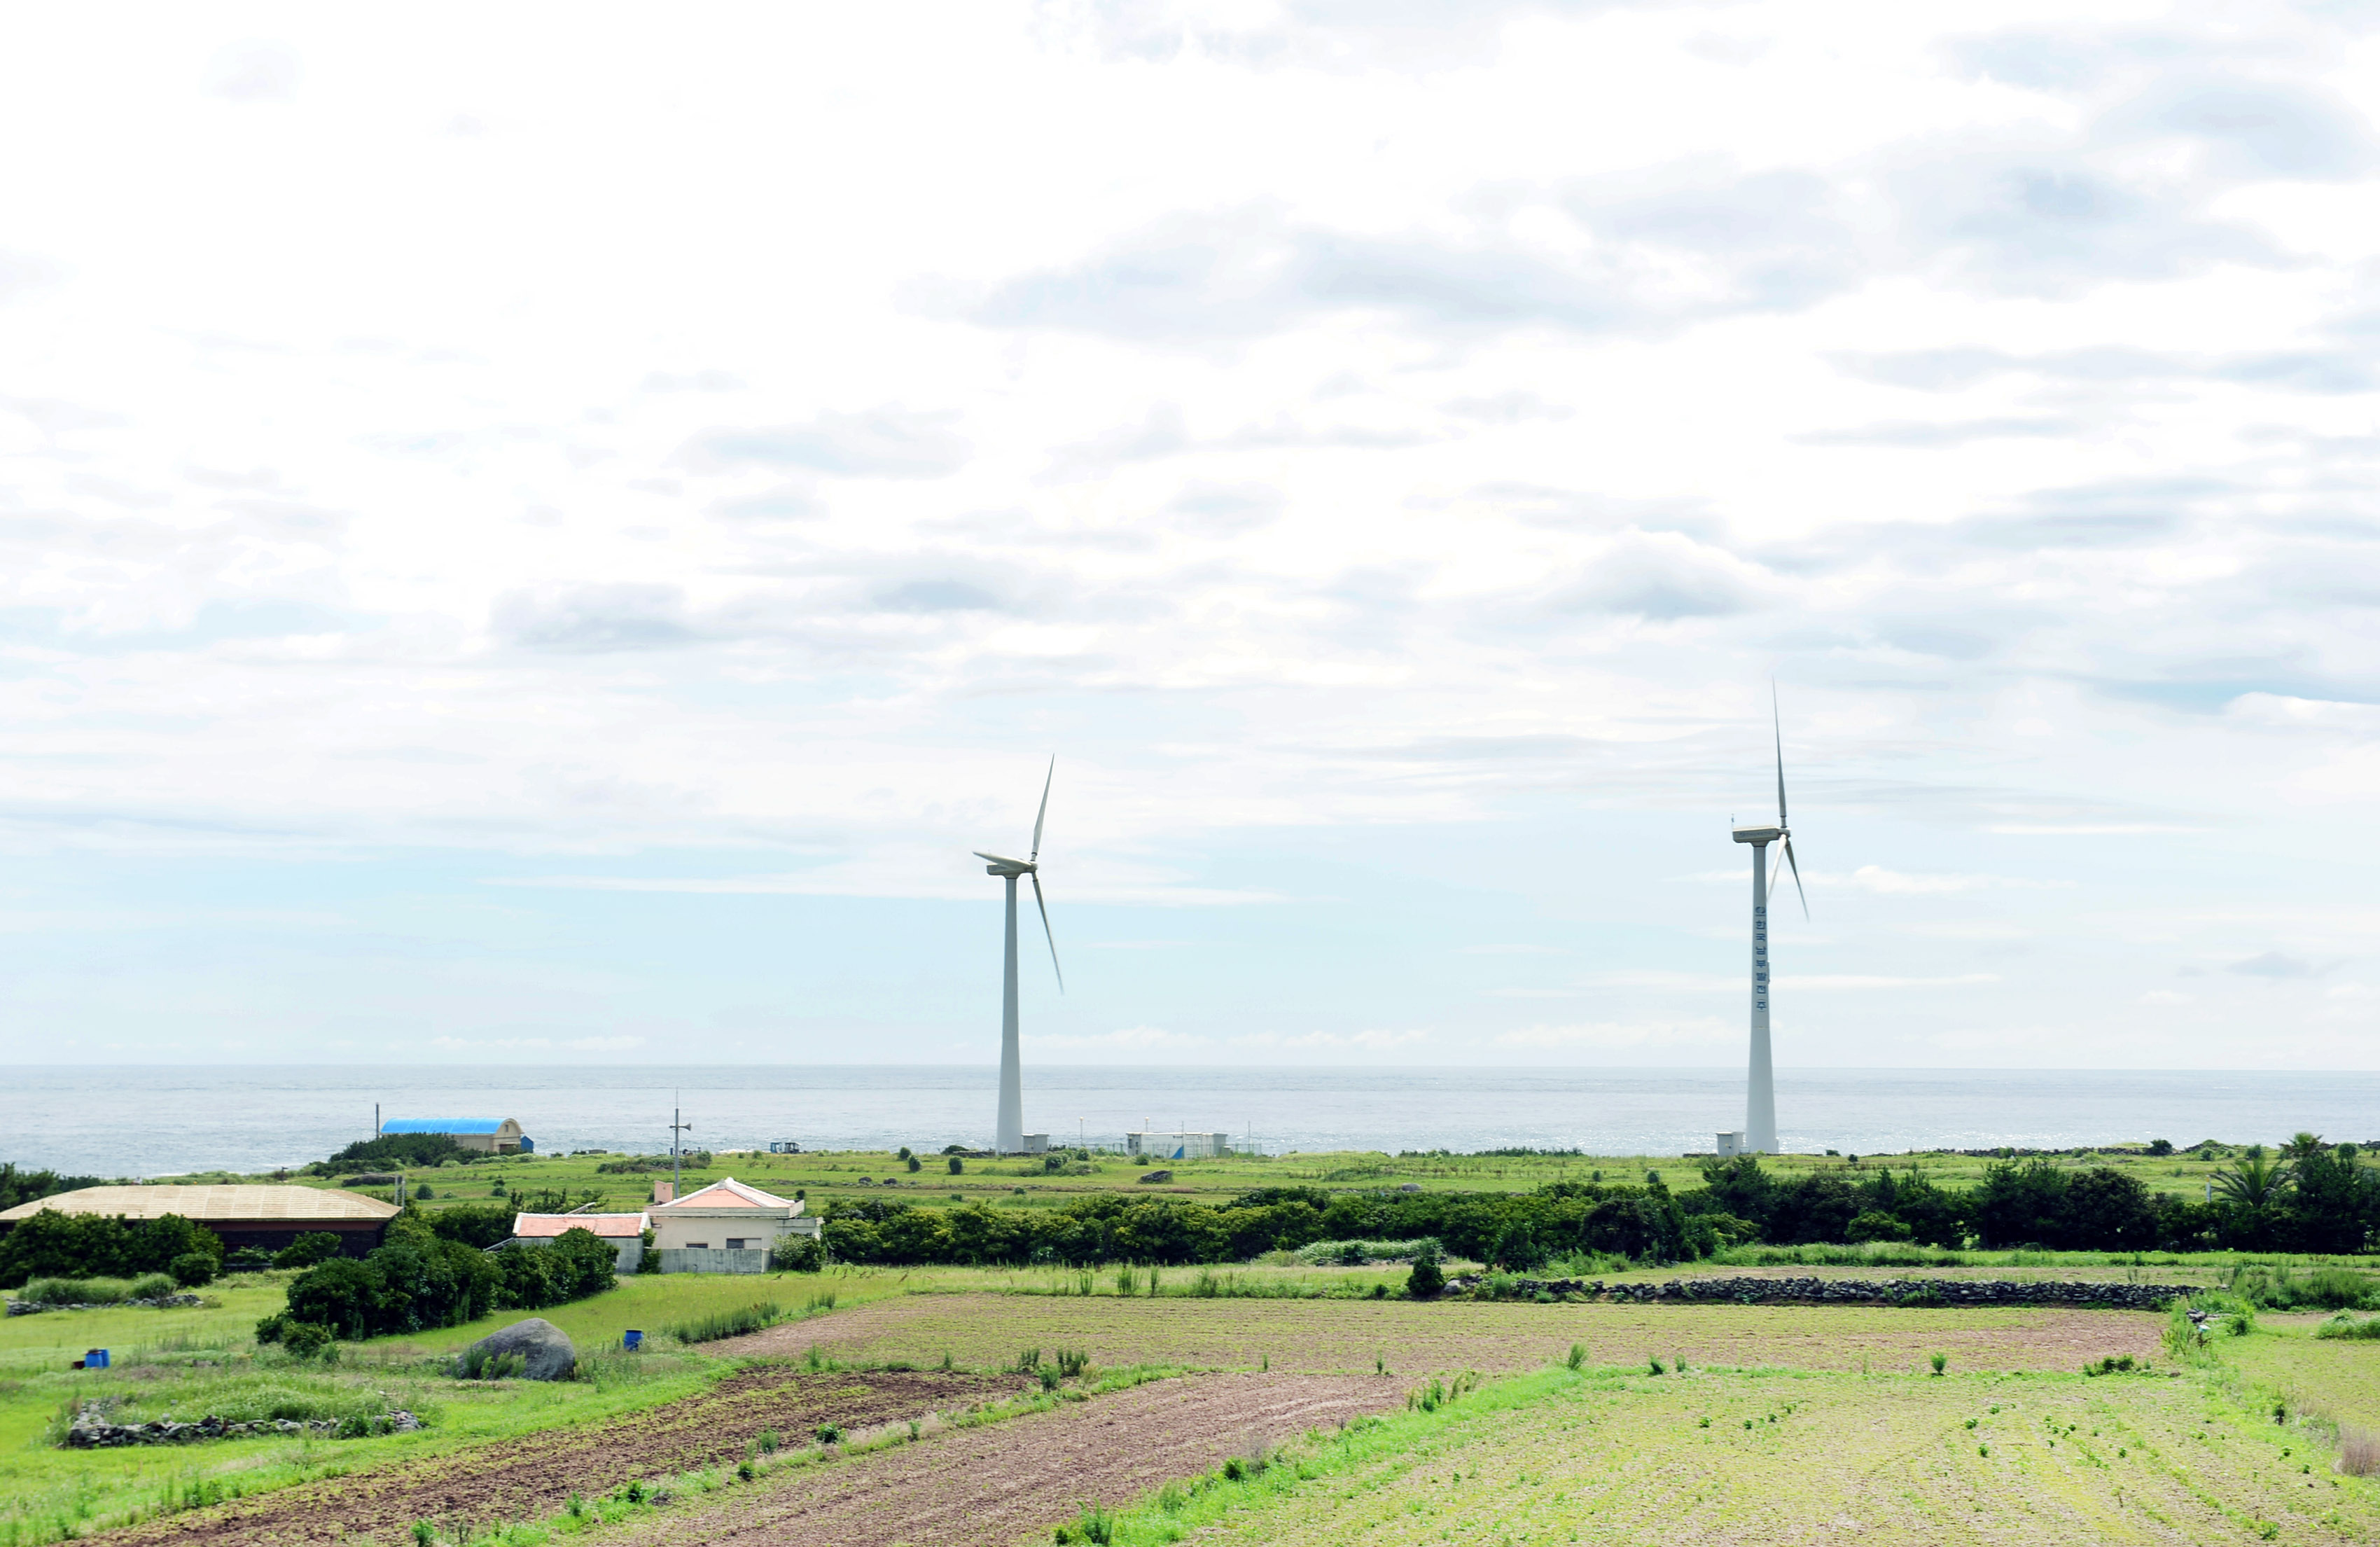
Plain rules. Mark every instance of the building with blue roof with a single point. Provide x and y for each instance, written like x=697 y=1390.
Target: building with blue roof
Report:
x=486 y=1135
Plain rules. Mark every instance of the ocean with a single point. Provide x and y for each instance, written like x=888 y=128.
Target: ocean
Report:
x=116 y=1121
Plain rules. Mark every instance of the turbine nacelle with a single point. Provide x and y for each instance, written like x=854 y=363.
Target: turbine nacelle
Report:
x=1002 y=866
x=1759 y=835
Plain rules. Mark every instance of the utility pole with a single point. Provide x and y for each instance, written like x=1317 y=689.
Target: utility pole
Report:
x=677 y=1127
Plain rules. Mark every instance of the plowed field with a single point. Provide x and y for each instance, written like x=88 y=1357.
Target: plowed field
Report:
x=1005 y=1481
x=1345 y=1337
x=533 y=1477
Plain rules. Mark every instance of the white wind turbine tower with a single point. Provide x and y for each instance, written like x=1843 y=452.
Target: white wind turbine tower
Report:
x=1009 y=1139
x=1760 y=1086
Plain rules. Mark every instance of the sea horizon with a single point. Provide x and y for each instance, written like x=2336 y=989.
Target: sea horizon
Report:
x=166 y=1120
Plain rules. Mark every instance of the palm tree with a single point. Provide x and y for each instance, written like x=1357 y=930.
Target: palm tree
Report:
x=2305 y=1145
x=2257 y=1183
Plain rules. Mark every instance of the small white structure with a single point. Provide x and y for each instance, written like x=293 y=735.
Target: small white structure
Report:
x=1731 y=1145
x=727 y=1227
x=1036 y=1143
x=1150 y=1145
x=624 y=1234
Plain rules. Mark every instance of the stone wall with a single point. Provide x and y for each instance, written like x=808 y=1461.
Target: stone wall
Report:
x=91 y=1430
x=163 y=1302
x=1850 y=1291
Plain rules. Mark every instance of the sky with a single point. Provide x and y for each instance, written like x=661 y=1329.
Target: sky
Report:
x=548 y=533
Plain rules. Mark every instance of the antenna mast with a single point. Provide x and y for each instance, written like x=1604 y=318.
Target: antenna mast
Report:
x=677 y=1127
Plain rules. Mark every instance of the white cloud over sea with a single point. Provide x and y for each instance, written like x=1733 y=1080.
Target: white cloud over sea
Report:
x=555 y=532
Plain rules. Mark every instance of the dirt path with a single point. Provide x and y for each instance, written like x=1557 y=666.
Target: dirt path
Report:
x=535 y=1476
x=1348 y=1336
x=998 y=1483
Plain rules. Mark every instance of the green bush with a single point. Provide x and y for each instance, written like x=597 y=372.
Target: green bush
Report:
x=314 y=1246
x=57 y=1245
x=2347 y=1326
x=958 y=1166
x=728 y=1323
x=151 y=1286
x=1428 y=1278
x=193 y=1270
x=797 y=1254
x=307 y=1340
x=76 y=1291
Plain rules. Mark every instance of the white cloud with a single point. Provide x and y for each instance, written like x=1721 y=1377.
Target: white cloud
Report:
x=1385 y=461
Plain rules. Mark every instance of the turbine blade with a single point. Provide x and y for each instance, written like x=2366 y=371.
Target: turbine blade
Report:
x=1045 y=805
x=1797 y=876
x=996 y=858
x=1776 y=721
x=1046 y=934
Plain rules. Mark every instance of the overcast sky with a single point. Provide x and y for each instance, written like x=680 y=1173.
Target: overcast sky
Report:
x=549 y=532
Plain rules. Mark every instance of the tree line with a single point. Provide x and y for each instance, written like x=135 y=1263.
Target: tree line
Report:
x=2308 y=1197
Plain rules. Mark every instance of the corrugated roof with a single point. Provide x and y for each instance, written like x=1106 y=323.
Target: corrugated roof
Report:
x=537 y=1227
x=728 y=1193
x=214 y=1204
x=444 y=1124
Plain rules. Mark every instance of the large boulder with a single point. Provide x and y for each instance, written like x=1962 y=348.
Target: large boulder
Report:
x=543 y=1349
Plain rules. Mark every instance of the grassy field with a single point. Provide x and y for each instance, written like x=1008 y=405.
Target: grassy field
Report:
x=1716 y=1456
x=1332 y=1336
x=188 y=1363
x=1022 y=1184
x=1862 y=1433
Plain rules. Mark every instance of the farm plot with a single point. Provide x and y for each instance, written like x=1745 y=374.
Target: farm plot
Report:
x=1773 y=1457
x=1338 y=1337
x=535 y=1475
x=2337 y=1378
x=1003 y=1482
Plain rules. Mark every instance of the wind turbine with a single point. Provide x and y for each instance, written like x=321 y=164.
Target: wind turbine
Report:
x=1760 y=1086
x=1009 y=1139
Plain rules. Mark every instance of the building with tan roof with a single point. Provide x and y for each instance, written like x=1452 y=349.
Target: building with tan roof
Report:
x=624 y=1233
x=727 y=1227
x=259 y=1216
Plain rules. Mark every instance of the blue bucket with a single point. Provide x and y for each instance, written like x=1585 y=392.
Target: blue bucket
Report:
x=632 y=1340
x=95 y=1359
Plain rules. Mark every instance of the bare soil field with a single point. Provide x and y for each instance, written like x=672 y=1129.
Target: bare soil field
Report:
x=1003 y=1482
x=535 y=1476
x=1347 y=1337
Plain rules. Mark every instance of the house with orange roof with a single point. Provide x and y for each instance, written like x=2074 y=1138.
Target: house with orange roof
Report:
x=727 y=1227
x=624 y=1234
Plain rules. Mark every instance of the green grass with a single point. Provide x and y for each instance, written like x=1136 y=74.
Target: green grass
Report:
x=187 y=1363
x=1607 y=1455
x=838 y=1173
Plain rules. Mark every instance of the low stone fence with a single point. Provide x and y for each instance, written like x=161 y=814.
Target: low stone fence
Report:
x=1851 y=1291
x=163 y=1302
x=91 y=1430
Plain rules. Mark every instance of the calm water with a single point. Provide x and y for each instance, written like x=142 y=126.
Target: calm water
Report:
x=131 y=1121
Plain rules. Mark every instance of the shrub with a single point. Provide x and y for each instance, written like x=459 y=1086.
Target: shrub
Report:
x=958 y=1166
x=314 y=1246
x=2347 y=1326
x=193 y=1270
x=1576 y=1357
x=728 y=1323
x=1428 y=1278
x=151 y=1286
x=913 y=1162
x=307 y=1340
x=829 y=1433
x=1941 y=1362
x=390 y=1150
x=1071 y=1362
x=797 y=1254
x=1874 y=1225
x=1094 y=1525
x=73 y=1291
